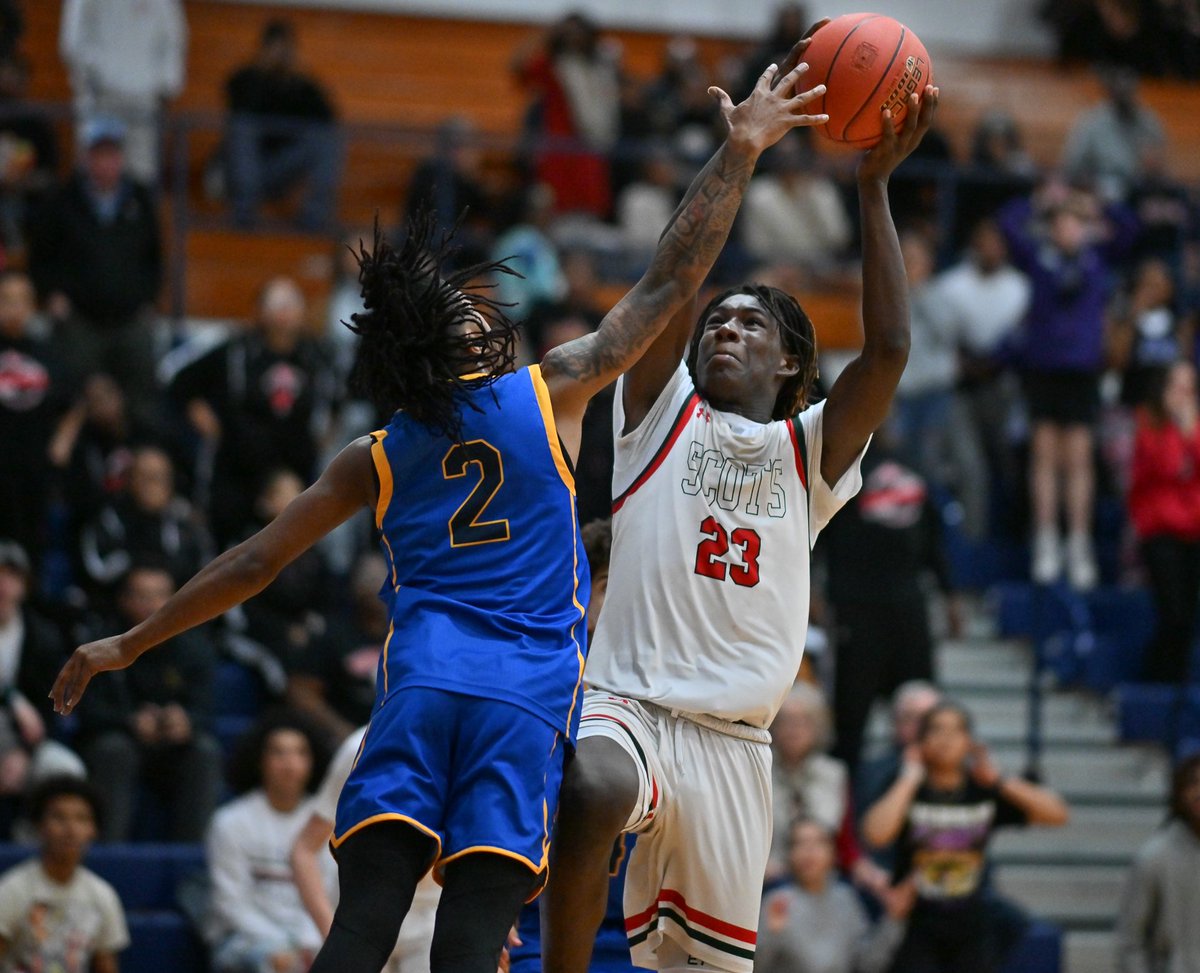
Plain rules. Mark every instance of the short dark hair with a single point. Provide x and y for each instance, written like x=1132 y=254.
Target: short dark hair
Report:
x=148 y=563
x=945 y=706
x=597 y=543
x=804 y=818
x=796 y=332
x=64 y=785
x=277 y=29
x=245 y=767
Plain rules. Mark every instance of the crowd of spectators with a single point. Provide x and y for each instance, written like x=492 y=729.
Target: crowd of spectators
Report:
x=1053 y=370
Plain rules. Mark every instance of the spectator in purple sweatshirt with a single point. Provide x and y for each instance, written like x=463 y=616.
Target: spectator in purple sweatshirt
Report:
x=1066 y=245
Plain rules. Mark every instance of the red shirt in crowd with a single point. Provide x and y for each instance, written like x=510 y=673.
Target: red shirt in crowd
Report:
x=1164 y=495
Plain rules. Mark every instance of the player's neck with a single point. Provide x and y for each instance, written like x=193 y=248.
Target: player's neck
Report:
x=755 y=411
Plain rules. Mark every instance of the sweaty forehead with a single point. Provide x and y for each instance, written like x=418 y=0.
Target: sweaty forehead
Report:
x=742 y=303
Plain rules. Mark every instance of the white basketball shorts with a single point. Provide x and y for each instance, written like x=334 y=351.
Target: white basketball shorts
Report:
x=703 y=821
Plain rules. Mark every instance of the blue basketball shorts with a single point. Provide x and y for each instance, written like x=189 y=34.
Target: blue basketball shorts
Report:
x=475 y=774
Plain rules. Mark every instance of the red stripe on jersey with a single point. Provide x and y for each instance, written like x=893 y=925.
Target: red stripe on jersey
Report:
x=680 y=421
x=799 y=456
x=694 y=917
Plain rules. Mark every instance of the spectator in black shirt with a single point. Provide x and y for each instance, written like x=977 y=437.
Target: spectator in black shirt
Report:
x=150 y=521
x=941 y=812
x=879 y=551
x=92 y=447
x=95 y=255
x=334 y=681
x=28 y=151
x=259 y=403
x=31 y=400
x=148 y=724
x=281 y=132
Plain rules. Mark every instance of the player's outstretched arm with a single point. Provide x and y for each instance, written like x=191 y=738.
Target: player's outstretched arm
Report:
x=685 y=255
x=860 y=398
x=346 y=486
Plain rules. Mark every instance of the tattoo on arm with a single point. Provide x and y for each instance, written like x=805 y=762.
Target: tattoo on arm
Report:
x=686 y=253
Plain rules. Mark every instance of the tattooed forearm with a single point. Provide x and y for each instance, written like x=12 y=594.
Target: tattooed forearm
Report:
x=686 y=253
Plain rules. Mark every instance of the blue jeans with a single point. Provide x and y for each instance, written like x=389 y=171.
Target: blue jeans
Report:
x=309 y=152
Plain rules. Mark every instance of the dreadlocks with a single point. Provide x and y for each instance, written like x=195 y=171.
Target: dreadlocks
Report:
x=421 y=347
x=795 y=331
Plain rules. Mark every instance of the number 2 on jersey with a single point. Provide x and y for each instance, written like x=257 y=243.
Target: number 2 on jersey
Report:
x=716 y=545
x=467 y=528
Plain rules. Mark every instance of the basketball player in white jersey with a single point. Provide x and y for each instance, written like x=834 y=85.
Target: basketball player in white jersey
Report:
x=722 y=481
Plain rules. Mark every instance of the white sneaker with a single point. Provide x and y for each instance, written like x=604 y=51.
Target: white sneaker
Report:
x=1047 y=557
x=1081 y=563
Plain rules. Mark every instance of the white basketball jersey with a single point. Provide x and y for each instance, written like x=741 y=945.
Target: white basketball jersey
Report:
x=708 y=586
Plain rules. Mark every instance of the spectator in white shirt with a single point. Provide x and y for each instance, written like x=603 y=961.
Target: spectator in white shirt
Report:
x=126 y=59
x=310 y=858
x=257 y=922
x=792 y=213
x=54 y=913
x=644 y=207
x=986 y=298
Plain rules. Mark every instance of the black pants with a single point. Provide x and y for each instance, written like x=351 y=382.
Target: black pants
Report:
x=378 y=871
x=879 y=647
x=1174 y=569
x=947 y=940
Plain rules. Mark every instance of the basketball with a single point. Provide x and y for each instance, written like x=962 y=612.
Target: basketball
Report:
x=868 y=62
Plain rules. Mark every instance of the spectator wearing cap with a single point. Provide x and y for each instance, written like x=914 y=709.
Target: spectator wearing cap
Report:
x=32 y=396
x=95 y=255
x=31 y=650
x=281 y=132
x=126 y=59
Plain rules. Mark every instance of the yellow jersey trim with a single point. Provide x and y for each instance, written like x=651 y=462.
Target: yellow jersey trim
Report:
x=390 y=816
x=582 y=613
x=386 y=645
x=543 y=400
x=383 y=470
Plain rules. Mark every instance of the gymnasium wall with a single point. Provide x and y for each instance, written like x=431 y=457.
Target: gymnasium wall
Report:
x=956 y=26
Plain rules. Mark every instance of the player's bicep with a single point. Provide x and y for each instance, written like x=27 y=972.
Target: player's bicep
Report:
x=630 y=335
x=857 y=405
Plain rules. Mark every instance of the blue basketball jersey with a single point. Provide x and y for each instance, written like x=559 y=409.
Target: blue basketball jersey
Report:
x=487 y=574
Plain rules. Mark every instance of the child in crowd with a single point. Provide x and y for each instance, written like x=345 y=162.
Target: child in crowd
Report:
x=1164 y=506
x=1067 y=246
x=54 y=913
x=941 y=812
x=817 y=924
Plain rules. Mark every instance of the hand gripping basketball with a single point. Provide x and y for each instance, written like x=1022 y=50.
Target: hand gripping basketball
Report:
x=898 y=142
x=771 y=110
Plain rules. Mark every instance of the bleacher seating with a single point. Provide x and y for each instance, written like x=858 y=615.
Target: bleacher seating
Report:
x=147 y=878
x=388 y=70
x=1158 y=713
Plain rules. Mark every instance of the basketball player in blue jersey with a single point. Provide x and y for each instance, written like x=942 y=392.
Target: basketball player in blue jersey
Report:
x=472 y=490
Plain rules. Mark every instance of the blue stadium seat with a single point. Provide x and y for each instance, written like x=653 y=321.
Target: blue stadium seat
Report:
x=237 y=691
x=1150 y=712
x=1187 y=747
x=1039 y=951
x=162 y=941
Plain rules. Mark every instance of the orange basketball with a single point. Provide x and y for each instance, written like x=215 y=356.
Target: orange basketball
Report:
x=867 y=62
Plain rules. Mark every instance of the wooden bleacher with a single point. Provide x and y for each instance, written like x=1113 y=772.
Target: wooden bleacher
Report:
x=387 y=70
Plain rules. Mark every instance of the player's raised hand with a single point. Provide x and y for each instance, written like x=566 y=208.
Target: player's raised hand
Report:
x=85 y=662
x=796 y=54
x=898 y=142
x=771 y=111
